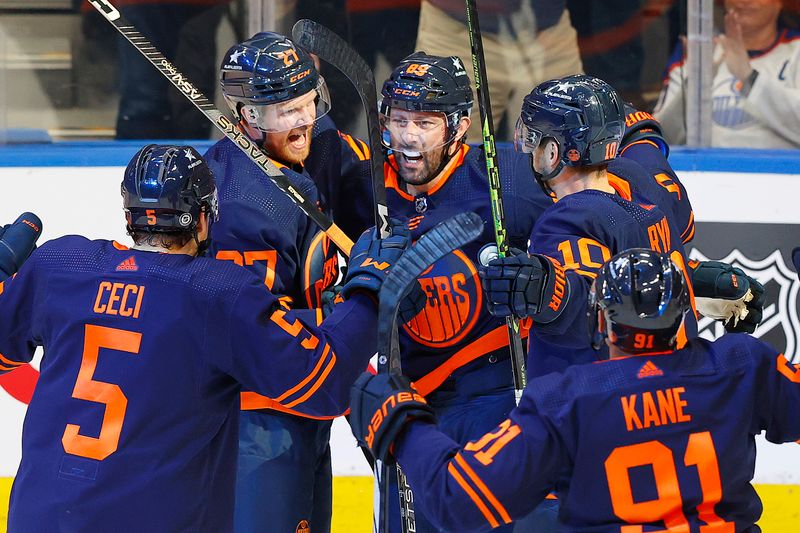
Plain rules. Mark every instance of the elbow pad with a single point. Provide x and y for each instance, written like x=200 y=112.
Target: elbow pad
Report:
x=642 y=126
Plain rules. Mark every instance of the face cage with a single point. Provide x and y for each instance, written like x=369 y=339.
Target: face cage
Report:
x=286 y=116
x=451 y=122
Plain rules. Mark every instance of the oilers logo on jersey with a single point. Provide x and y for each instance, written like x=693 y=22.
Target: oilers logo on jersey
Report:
x=454 y=302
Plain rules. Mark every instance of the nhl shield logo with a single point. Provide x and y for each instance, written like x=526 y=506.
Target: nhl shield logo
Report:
x=421 y=204
x=780 y=325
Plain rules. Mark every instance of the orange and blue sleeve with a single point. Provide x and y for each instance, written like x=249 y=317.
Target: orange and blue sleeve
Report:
x=490 y=481
x=287 y=357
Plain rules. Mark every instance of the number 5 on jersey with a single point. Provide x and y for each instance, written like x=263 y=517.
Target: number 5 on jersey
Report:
x=108 y=394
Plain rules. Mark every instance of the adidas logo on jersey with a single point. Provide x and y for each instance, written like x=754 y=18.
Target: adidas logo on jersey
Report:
x=649 y=370
x=128 y=265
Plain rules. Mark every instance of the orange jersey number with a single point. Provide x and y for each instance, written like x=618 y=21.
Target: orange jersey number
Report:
x=86 y=388
x=490 y=444
x=668 y=507
x=270 y=257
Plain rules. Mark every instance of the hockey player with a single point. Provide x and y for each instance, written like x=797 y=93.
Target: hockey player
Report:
x=572 y=129
x=454 y=351
x=278 y=98
x=134 y=422
x=653 y=439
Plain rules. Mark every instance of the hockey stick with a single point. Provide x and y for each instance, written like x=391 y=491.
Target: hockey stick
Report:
x=322 y=42
x=495 y=189
x=231 y=131
x=442 y=239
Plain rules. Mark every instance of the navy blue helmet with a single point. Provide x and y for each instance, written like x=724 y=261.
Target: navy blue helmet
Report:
x=638 y=302
x=583 y=114
x=165 y=189
x=427 y=83
x=269 y=69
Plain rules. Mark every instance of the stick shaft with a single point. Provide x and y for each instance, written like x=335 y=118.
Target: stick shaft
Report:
x=495 y=188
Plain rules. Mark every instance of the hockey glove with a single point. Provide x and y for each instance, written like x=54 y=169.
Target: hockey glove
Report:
x=641 y=126
x=371 y=259
x=724 y=292
x=18 y=242
x=525 y=286
x=380 y=405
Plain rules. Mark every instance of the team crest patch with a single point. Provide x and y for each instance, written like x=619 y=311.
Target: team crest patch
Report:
x=780 y=325
x=453 y=304
x=573 y=154
x=421 y=204
x=303 y=527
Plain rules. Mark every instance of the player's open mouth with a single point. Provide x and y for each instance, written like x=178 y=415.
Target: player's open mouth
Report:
x=410 y=158
x=298 y=139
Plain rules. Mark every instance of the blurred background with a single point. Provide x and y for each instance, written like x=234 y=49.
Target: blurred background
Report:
x=65 y=74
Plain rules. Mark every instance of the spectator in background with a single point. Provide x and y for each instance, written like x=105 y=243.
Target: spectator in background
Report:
x=756 y=98
x=144 y=105
x=525 y=42
x=610 y=41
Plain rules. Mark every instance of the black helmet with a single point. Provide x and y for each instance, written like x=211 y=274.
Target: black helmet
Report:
x=583 y=114
x=426 y=83
x=165 y=189
x=638 y=301
x=269 y=69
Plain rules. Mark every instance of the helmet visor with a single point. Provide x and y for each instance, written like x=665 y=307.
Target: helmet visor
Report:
x=414 y=132
x=295 y=113
x=526 y=139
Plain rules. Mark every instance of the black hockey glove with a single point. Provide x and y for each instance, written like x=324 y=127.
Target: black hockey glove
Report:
x=724 y=292
x=372 y=258
x=641 y=125
x=380 y=405
x=525 y=286
x=17 y=242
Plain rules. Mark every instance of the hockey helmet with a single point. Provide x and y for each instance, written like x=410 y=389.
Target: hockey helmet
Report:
x=273 y=83
x=583 y=114
x=426 y=83
x=638 y=302
x=165 y=188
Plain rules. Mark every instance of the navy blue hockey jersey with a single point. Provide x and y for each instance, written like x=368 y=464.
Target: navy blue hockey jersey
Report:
x=581 y=232
x=455 y=328
x=651 y=179
x=133 y=425
x=637 y=444
x=259 y=227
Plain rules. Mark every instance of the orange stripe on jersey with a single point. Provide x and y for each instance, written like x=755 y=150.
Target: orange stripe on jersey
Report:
x=473 y=496
x=364 y=148
x=318 y=383
x=642 y=141
x=308 y=378
x=4 y=368
x=483 y=488
x=119 y=246
x=689 y=229
x=8 y=362
x=622 y=187
x=785 y=368
x=353 y=146
x=494 y=340
x=251 y=401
